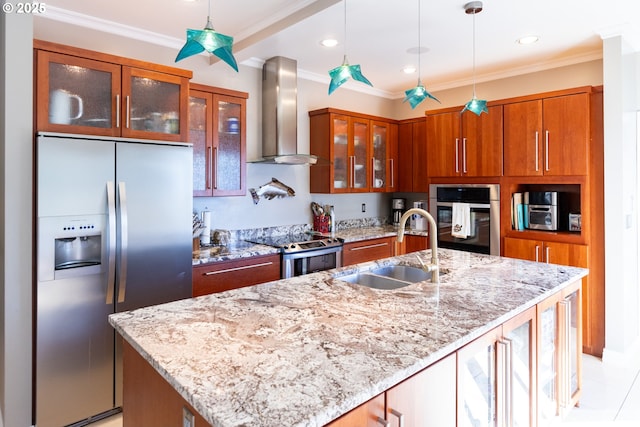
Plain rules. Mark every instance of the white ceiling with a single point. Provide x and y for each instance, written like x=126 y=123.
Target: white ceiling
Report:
x=379 y=33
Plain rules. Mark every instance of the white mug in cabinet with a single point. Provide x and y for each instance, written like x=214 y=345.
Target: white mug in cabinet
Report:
x=60 y=107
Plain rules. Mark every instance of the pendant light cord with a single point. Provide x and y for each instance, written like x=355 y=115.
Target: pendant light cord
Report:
x=345 y=30
x=474 y=55
x=419 y=43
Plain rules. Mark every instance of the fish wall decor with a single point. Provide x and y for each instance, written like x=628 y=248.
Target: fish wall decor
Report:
x=271 y=189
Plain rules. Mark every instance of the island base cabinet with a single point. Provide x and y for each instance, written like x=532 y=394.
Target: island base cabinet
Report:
x=141 y=407
x=424 y=400
x=495 y=375
x=559 y=355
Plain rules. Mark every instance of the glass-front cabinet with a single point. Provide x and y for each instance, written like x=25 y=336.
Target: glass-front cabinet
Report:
x=496 y=376
x=355 y=153
x=217 y=132
x=96 y=95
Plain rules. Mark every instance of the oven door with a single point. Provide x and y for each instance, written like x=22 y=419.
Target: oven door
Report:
x=479 y=240
x=305 y=262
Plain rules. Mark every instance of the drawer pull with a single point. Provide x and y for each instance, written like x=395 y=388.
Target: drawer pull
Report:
x=230 y=270
x=377 y=245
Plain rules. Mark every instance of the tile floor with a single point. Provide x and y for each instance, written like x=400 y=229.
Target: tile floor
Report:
x=610 y=398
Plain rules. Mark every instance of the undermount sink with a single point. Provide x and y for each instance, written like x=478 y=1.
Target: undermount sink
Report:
x=388 y=277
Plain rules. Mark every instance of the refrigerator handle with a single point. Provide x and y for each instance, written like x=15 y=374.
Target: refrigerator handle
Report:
x=124 y=241
x=111 y=221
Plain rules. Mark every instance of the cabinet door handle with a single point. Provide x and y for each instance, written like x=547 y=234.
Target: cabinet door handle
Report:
x=547 y=253
x=537 y=150
x=377 y=245
x=457 y=166
x=501 y=373
x=373 y=171
x=393 y=183
x=565 y=346
x=506 y=413
x=127 y=112
x=210 y=171
x=399 y=415
x=118 y=111
x=215 y=173
x=537 y=251
x=464 y=155
x=352 y=165
x=383 y=422
x=230 y=270
x=546 y=150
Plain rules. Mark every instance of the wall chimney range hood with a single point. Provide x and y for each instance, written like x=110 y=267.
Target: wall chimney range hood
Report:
x=280 y=113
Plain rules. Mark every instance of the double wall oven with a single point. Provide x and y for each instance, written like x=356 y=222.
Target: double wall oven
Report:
x=484 y=214
x=304 y=253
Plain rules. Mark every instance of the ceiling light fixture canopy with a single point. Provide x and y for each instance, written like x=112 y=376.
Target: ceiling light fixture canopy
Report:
x=476 y=106
x=210 y=40
x=418 y=93
x=342 y=73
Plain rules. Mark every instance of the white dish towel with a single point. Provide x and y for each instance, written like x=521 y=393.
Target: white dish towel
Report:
x=460 y=220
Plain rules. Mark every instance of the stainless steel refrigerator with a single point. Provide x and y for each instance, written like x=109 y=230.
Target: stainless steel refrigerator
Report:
x=113 y=234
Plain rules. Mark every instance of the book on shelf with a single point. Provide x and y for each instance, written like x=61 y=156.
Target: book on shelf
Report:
x=517 y=212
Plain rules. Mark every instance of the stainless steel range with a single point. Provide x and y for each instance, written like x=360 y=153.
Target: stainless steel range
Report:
x=304 y=253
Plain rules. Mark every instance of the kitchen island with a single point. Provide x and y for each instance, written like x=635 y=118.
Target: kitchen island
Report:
x=306 y=350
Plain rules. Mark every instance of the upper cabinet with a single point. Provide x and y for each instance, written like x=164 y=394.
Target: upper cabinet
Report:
x=217 y=130
x=80 y=91
x=464 y=144
x=412 y=156
x=356 y=153
x=541 y=135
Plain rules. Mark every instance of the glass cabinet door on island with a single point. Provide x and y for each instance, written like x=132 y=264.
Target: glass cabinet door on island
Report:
x=217 y=132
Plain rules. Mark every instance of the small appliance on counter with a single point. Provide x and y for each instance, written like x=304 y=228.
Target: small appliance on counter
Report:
x=397 y=209
x=418 y=222
x=542 y=210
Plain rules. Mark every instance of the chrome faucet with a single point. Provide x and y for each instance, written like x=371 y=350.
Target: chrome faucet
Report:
x=433 y=240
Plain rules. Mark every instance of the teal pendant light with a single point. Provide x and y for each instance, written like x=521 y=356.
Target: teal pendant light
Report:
x=476 y=106
x=208 y=39
x=341 y=74
x=418 y=94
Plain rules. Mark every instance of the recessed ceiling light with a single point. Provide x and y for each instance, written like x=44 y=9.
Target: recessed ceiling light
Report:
x=329 y=42
x=409 y=69
x=416 y=50
x=527 y=39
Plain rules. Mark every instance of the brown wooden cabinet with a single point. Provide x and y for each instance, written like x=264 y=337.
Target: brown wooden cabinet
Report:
x=368 y=414
x=412 y=156
x=464 y=144
x=367 y=250
x=217 y=130
x=548 y=136
x=357 y=153
x=85 y=92
x=225 y=275
x=547 y=251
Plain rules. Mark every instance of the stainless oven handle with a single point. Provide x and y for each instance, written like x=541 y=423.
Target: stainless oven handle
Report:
x=229 y=270
x=471 y=205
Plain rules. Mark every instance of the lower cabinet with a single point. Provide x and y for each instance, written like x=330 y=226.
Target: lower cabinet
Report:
x=496 y=375
x=367 y=250
x=226 y=275
x=426 y=399
x=549 y=252
x=559 y=356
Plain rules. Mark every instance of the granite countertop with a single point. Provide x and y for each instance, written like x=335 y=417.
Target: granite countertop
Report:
x=305 y=350
x=241 y=249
